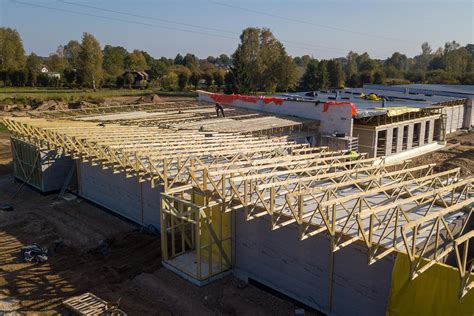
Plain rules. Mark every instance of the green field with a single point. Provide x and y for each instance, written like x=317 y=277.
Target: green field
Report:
x=35 y=95
x=17 y=95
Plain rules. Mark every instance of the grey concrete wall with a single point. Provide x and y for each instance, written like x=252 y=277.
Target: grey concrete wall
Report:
x=422 y=133
x=368 y=136
x=410 y=136
x=301 y=269
x=124 y=196
x=431 y=131
x=367 y=140
x=54 y=169
x=43 y=169
x=400 y=139
x=336 y=119
x=337 y=143
x=454 y=117
x=388 y=142
x=469 y=114
x=360 y=289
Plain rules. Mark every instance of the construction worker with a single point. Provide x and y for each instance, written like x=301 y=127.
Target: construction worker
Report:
x=219 y=108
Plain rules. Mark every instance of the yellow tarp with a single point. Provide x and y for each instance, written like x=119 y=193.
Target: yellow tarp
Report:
x=221 y=225
x=434 y=292
x=373 y=97
x=370 y=96
x=394 y=111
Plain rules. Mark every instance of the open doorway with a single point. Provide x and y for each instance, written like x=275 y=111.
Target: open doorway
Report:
x=405 y=138
x=381 y=143
x=416 y=134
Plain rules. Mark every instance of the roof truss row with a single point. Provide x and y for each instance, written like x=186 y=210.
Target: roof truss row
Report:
x=388 y=207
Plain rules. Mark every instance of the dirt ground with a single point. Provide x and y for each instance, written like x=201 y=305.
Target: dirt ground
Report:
x=459 y=152
x=128 y=271
x=50 y=105
x=5 y=154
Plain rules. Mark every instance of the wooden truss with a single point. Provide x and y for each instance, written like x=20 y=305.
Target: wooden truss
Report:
x=151 y=154
x=206 y=175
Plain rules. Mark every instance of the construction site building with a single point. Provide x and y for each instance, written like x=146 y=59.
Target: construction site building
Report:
x=398 y=119
x=340 y=231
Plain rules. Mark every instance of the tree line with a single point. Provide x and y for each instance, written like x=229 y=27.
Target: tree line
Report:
x=259 y=64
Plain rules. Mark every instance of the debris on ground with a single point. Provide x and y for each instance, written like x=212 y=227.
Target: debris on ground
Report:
x=69 y=197
x=6 y=207
x=104 y=247
x=155 y=99
x=8 y=305
x=299 y=311
x=34 y=253
x=90 y=304
x=150 y=230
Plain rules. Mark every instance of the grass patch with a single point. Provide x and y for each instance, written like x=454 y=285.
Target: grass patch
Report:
x=3 y=128
x=35 y=96
x=177 y=93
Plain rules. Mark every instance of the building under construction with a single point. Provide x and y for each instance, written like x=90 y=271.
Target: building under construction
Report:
x=269 y=194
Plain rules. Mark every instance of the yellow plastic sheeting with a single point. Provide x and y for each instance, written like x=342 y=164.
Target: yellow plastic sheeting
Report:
x=373 y=97
x=434 y=292
x=370 y=96
x=395 y=111
x=220 y=223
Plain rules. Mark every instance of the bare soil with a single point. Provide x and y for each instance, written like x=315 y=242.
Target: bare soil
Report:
x=459 y=152
x=52 y=105
x=6 y=165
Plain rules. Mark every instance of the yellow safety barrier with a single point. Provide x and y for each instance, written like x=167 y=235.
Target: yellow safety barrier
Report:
x=434 y=292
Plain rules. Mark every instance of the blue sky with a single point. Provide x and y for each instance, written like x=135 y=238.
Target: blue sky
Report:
x=322 y=28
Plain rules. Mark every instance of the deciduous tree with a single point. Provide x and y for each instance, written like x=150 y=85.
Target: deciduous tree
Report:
x=136 y=61
x=12 y=53
x=114 y=60
x=260 y=62
x=336 y=75
x=90 y=61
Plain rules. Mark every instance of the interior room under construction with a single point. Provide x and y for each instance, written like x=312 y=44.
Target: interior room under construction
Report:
x=341 y=231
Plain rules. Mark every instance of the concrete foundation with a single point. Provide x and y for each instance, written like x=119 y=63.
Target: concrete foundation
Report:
x=306 y=271
x=125 y=196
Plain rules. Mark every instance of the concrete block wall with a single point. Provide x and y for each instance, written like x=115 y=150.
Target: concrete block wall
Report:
x=368 y=136
x=454 y=118
x=335 y=119
x=55 y=169
x=45 y=170
x=469 y=114
x=302 y=269
x=125 y=196
x=388 y=144
x=359 y=288
x=367 y=139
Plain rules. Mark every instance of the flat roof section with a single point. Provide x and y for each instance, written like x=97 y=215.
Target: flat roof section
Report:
x=366 y=107
x=436 y=89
